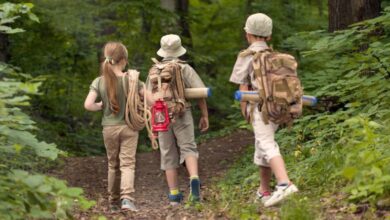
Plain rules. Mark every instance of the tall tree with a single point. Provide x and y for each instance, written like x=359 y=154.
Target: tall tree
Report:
x=181 y=7
x=4 y=55
x=342 y=13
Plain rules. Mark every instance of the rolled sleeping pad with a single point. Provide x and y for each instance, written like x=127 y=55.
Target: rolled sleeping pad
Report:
x=309 y=100
x=253 y=96
x=197 y=93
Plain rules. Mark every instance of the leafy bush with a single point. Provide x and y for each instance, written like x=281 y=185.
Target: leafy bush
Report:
x=349 y=140
x=297 y=208
x=24 y=195
x=33 y=196
x=343 y=143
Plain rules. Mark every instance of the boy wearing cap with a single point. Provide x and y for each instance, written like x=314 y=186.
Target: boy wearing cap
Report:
x=267 y=156
x=180 y=134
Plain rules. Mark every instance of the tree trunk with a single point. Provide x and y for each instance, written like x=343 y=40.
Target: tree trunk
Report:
x=169 y=5
x=248 y=7
x=182 y=8
x=4 y=54
x=320 y=8
x=343 y=13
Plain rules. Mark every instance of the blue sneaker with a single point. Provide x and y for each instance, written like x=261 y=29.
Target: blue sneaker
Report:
x=175 y=199
x=194 y=190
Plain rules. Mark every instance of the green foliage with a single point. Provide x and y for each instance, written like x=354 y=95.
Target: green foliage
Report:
x=65 y=48
x=24 y=195
x=9 y=13
x=297 y=208
x=354 y=135
x=367 y=164
x=235 y=194
x=15 y=126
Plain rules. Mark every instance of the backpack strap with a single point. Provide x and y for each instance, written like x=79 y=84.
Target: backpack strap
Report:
x=246 y=53
x=155 y=61
x=124 y=87
x=259 y=68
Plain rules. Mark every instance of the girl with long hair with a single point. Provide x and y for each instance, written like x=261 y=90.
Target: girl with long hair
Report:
x=119 y=139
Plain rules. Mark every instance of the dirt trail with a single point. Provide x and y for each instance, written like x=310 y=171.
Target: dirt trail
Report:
x=90 y=173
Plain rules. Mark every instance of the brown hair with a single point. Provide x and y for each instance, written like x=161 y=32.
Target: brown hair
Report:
x=113 y=52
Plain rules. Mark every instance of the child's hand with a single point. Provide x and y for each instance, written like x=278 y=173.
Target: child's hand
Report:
x=100 y=104
x=204 y=123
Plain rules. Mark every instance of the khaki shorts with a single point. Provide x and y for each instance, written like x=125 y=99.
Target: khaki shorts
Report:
x=178 y=142
x=266 y=147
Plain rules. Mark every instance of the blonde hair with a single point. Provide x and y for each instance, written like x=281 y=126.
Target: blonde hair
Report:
x=114 y=53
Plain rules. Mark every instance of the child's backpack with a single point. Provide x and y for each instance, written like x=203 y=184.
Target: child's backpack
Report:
x=279 y=86
x=166 y=78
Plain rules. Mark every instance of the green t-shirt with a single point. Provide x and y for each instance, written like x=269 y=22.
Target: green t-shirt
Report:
x=109 y=118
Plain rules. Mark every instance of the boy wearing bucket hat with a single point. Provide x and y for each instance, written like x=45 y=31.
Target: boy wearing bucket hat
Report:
x=177 y=145
x=267 y=156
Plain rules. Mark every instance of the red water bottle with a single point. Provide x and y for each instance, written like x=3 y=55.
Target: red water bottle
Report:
x=160 y=117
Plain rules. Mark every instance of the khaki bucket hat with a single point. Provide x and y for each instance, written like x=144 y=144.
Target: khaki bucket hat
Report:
x=259 y=24
x=171 y=46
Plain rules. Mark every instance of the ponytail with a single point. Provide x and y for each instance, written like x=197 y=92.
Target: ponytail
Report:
x=113 y=52
x=111 y=86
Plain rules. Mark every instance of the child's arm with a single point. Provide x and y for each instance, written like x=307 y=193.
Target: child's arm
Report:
x=148 y=95
x=90 y=103
x=240 y=76
x=243 y=105
x=204 y=119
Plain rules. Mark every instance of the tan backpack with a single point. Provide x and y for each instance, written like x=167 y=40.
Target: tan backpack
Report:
x=166 y=77
x=279 y=86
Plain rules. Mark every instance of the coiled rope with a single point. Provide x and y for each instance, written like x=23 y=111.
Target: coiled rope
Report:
x=137 y=114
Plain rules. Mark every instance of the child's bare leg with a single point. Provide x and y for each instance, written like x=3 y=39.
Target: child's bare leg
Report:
x=279 y=169
x=265 y=179
x=192 y=165
x=171 y=175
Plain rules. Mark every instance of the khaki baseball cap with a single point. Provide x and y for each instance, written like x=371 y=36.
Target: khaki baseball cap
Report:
x=171 y=46
x=259 y=24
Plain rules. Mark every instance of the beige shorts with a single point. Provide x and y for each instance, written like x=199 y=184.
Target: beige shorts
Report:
x=265 y=145
x=178 y=142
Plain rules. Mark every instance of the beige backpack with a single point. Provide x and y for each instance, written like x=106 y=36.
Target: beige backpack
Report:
x=166 y=78
x=279 y=86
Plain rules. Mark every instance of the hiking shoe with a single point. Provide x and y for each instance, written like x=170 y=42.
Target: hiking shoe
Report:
x=128 y=205
x=280 y=193
x=114 y=208
x=194 y=190
x=175 y=199
x=262 y=197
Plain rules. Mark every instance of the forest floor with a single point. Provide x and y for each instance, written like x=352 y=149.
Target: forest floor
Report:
x=90 y=173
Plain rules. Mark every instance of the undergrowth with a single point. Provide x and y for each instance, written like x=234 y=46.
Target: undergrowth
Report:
x=25 y=194
x=337 y=154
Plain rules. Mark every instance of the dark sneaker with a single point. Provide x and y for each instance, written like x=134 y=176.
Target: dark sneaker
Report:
x=175 y=199
x=128 y=205
x=194 y=190
x=114 y=208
